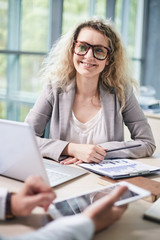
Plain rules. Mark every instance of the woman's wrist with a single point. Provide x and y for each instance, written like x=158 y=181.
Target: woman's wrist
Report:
x=70 y=149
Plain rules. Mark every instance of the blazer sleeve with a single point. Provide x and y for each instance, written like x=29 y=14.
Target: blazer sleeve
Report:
x=38 y=117
x=77 y=227
x=134 y=118
x=3 y=196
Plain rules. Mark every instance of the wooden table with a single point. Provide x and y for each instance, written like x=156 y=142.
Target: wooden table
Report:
x=130 y=227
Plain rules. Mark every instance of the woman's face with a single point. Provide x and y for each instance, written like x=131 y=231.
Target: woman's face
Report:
x=87 y=65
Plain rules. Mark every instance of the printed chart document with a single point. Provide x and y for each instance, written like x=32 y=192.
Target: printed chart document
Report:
x=120 y=168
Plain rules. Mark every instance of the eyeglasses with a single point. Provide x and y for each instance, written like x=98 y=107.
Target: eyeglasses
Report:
x=99 y=52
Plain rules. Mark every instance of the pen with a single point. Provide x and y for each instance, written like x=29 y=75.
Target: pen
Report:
x=116 y=149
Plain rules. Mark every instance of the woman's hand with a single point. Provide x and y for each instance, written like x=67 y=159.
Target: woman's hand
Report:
x=71 y=160
x=83 y=153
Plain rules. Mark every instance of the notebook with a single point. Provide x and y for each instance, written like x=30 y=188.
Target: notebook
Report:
x=120 y=168
x=20 y=156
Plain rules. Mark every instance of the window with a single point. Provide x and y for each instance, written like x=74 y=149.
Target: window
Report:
x=75 y=11
x=129 y=19
x=23 y=45
x=29 y=27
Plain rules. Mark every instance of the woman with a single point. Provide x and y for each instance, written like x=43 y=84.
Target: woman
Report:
x=88 y=97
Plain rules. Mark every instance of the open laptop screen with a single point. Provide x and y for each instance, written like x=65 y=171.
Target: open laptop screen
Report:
x=20 y=156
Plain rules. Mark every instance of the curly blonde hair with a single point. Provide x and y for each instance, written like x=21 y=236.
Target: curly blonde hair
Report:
x=58 y=68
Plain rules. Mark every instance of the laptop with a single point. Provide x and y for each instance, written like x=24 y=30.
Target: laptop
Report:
x=20 y=156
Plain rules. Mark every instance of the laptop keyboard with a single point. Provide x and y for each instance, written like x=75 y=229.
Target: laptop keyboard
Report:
x=52 y=174
x=58 y=173
x=55 y=176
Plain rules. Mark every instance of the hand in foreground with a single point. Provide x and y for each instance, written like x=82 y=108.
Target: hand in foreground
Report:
x=83 y=153
x=35 y=192
x=103 y=212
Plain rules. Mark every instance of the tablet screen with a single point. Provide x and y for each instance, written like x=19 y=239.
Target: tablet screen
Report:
x=77 y=204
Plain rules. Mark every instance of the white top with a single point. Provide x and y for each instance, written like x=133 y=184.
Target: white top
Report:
x=92 y=132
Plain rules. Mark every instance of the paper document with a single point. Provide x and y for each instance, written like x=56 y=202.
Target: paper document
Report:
x=120 y=168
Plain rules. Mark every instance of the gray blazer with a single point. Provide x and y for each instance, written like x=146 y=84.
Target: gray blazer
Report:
x=56 y=106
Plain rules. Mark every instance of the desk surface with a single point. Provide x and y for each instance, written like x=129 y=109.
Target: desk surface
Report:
x=130 y=227
x=149 y=114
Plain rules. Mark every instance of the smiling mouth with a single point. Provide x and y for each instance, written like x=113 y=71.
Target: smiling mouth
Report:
x=88 y=64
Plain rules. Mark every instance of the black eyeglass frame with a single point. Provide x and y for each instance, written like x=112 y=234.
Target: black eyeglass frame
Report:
x=91 y=46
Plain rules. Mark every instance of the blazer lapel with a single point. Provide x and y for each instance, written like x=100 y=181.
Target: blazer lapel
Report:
x=108 y=104
x=65 y=109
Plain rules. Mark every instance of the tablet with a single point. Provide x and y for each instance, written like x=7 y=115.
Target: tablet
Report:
x=78 y=203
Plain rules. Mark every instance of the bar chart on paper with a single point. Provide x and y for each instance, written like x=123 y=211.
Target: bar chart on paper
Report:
x=120 y=168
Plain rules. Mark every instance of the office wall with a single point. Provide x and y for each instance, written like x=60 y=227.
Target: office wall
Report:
x=152 y=52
